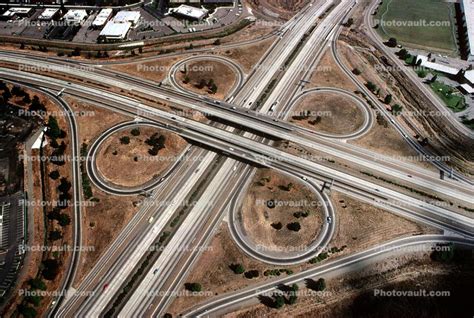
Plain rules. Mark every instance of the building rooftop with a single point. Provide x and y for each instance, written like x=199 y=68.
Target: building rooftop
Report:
x=48 y=14
x=435 y=66
x=102 y=17
x=468 y=6
x=127 y=16
x=192 y=12
x=116 y=30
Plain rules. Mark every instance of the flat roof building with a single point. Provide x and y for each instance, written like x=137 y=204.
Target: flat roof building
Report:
x=467 y=7
x=190 y=12
x=435 y=66
x=131 y=17
x=48 y=14
x=75 y=16
x=21 y=12
x=115 y=31
x=102 y=18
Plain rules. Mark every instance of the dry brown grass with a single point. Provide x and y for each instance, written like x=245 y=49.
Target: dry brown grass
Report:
x=258 y=217
x=328 y=74
x=131 y=165
x=359 y=226
x=337 y=114
x=196 y=71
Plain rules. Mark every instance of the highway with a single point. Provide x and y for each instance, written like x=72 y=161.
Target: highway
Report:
x=408 y=173
x=221 y=304
x=115 y=266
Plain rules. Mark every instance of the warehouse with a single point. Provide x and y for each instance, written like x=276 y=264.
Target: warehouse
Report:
x=49 y=14
x=189 y=12
x=102 y=18
x=131 y=17
x=467 y=7
x=113 y=32
x=75 y=17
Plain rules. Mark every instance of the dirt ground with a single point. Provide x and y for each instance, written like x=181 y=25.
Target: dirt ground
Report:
x=283 y=9
x=248 y=55
x=359 y=226
x=259 y=218
x=91 y=120
x=191 y=74
x=328 y=74
x=328 y=113
x=354 y=292
x=388 y=142
x=155 y=70
x=98 y=230
x=131 y=165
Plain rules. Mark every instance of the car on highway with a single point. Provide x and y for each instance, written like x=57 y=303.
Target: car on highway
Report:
x=105 y=286
x=151 y=219
x=329 y=219
x=155 y=271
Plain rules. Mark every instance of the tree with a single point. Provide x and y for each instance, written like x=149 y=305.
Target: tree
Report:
x=37 y=283
x=392 y=42
x=50 y=269
x=135 y=132
x=396 y=109
x=26 y=99
x=64 y=186
x=251 y=274
x=371 y=86
x=125 y=140
x=237 y=268
x=202 y=83
x=402 y=54
x=193 y=287
x=27 y=311
x=33 y=299
x=278 y=302
x=64 y=219
x=356 y=71
x=54 y=175
x=213 y=88
x=320 y=284
x=186 y=79
x=277 y=226
x=53 y=127
x=294 y=226
x=55 y=235
x=388 y=99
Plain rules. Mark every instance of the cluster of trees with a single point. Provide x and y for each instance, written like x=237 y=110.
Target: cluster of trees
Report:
x=17 y=91
x=287 y=296
x=35 y=284
x=193 y=287
x=237 y=268
x=211 y=85
x=156 y=142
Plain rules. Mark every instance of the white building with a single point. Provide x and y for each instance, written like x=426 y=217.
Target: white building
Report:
x=190 y=12
x=102 y=18
x=435 y=66
x=115 y=31
x=75 y=16
x=467 y=6
x=21 y=12
x=131 y=17
x=48 y=14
